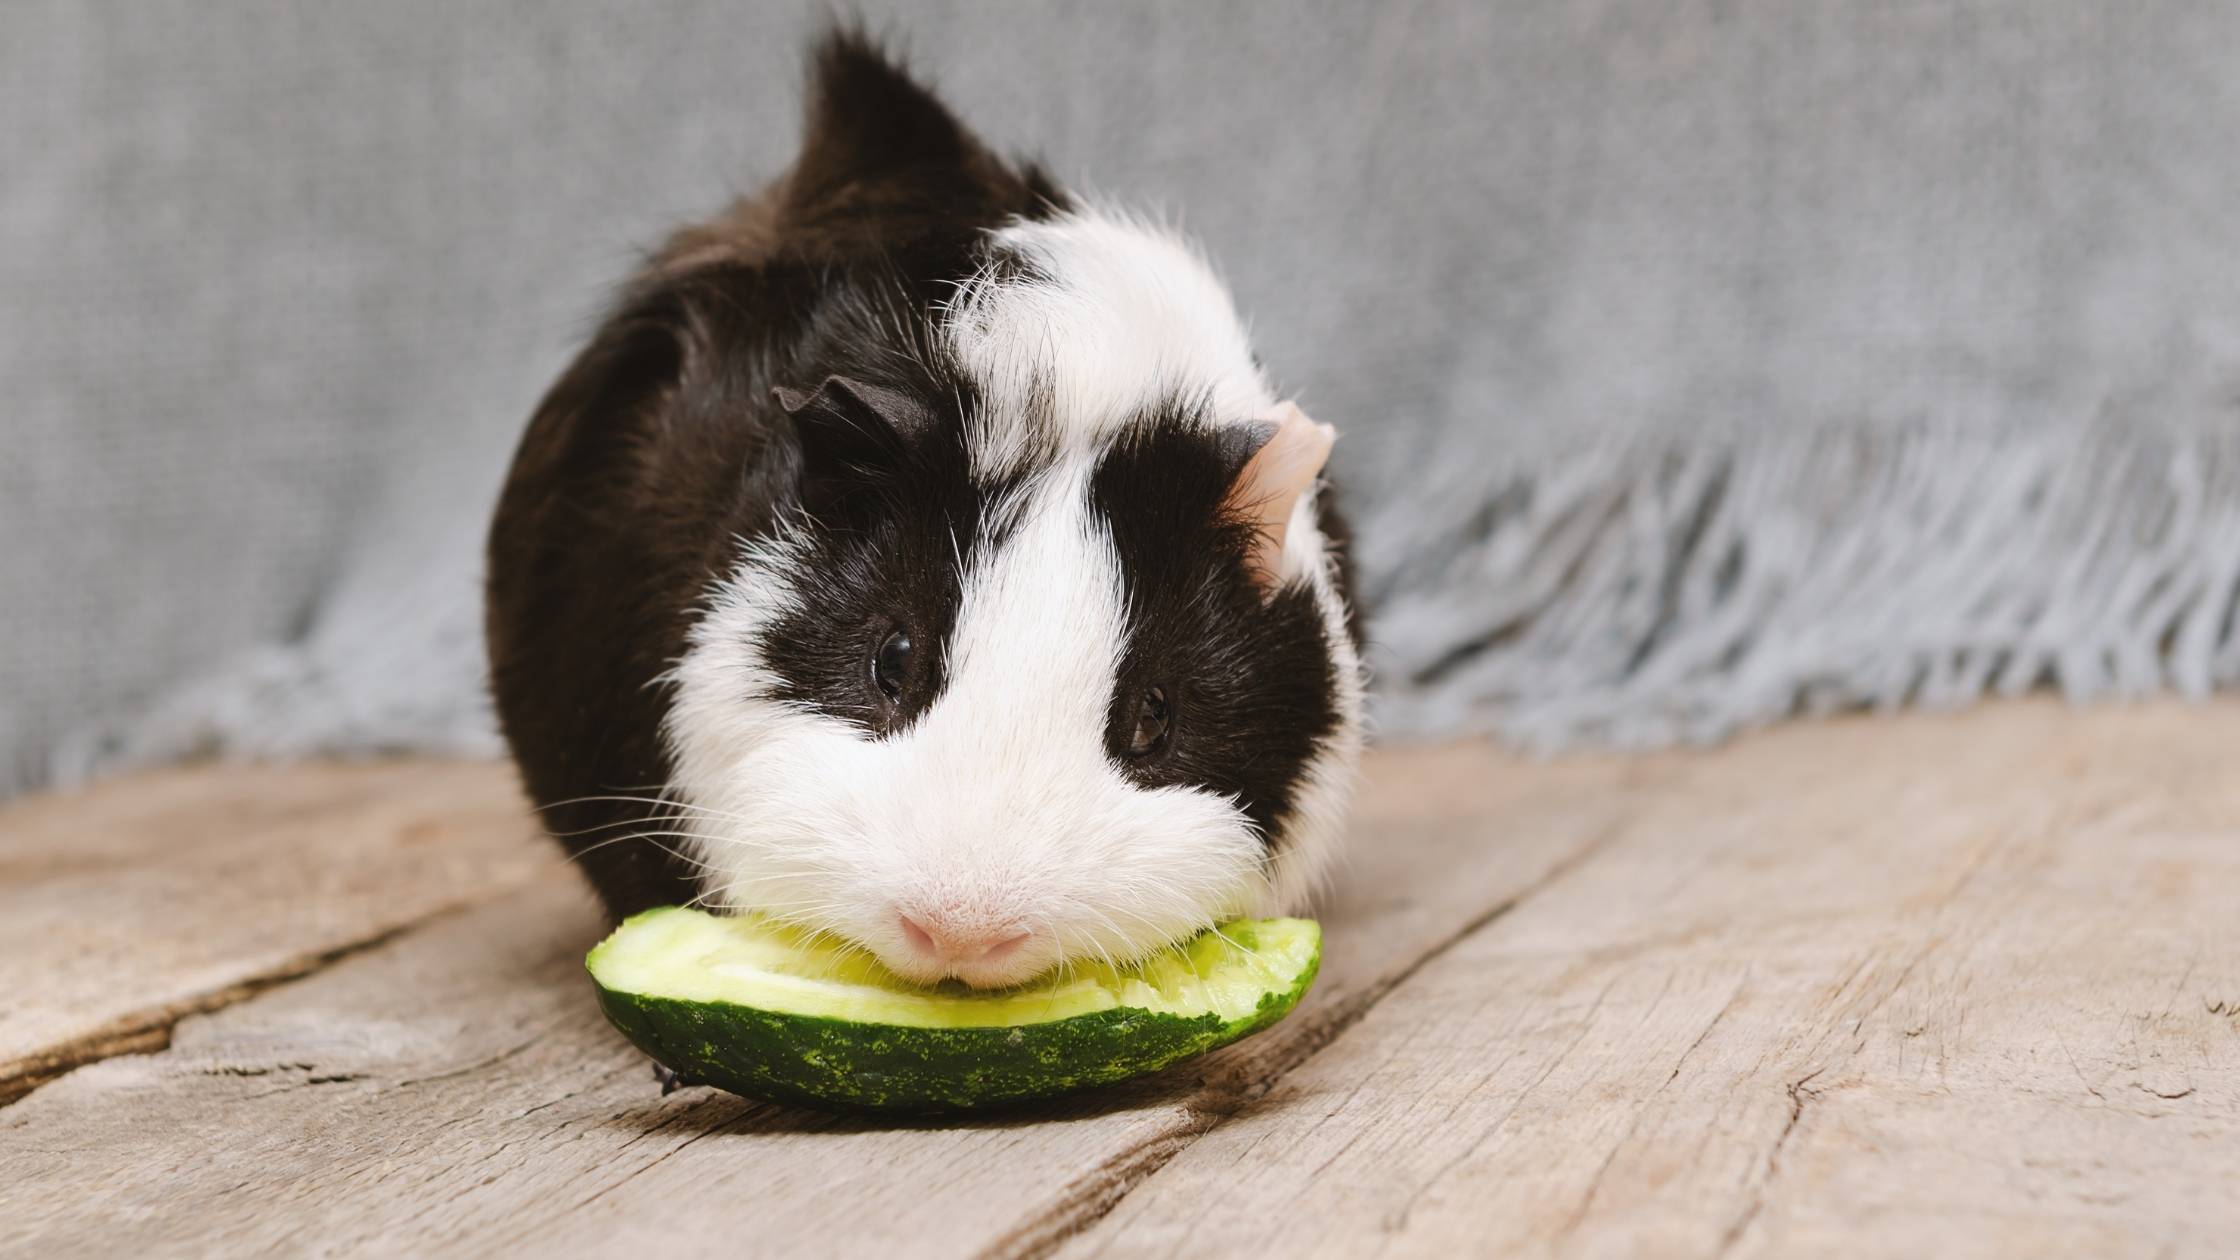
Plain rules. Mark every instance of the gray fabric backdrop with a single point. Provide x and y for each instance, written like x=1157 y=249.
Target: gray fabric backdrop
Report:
x=1698 y=362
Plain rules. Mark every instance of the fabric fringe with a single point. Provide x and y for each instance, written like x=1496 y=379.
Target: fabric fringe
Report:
x=1681 y=592
x=1629 y=596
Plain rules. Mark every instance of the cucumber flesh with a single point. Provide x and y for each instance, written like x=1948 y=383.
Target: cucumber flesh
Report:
x=770 y=1010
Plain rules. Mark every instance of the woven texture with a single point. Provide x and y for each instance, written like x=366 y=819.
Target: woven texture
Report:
x=1698 y=363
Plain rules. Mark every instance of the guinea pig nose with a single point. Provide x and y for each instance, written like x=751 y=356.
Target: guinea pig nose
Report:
x=937 y=941
x=921 y=941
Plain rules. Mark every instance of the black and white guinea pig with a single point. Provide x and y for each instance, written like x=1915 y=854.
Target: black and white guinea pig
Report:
x=920 y=554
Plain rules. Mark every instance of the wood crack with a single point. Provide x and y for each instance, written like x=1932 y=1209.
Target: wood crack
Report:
x=1399 y=1223
x=1095 y=1195
x=1798 y=1097
x=1578 y=1216
x=149 y=1032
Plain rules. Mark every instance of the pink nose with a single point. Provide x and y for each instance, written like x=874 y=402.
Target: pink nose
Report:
x=956 y=944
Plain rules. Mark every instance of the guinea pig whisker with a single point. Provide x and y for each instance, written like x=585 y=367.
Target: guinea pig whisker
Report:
x=704 y=897
x=825 y=936
x=623 y=822
x=1097 y=946
x=655 y=801
x=650 y=837
x=766 y=844
x=784 y=909
x=641 y=835
x=1146 y=921
x=1232 y=943
x=606 y=798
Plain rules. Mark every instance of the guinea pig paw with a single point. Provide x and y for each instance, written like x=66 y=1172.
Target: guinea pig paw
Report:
x=671 y=1079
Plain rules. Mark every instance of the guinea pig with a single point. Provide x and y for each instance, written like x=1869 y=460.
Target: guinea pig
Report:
x=918 y=553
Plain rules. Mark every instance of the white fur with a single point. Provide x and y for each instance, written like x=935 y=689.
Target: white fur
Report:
x=1124 y=316
x=999 y=807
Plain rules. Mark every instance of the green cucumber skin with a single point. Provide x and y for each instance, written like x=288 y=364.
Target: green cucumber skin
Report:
x=838 y=1066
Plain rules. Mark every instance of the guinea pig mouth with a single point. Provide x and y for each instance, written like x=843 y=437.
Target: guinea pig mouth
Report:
x=996 y=978
x=928 y=948
x=1002 y=974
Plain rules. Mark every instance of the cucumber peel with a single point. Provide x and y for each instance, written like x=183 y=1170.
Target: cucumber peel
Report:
x=772 y=1011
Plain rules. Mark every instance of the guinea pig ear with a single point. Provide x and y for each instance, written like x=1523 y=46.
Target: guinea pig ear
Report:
x=850 y=432
x=1277 y=459
x=874 y=134
x=856 y=406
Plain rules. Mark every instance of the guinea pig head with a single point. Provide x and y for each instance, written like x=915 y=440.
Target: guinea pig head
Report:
x=982 y=720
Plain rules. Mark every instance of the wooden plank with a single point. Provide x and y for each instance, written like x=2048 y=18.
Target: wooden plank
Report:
x=1953 y=986
x=1804 y=991
x=456 y=1090
x=137 y=901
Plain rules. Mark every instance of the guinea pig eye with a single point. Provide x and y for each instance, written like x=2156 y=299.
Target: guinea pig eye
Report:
x=890 y=664
x=1152 y=716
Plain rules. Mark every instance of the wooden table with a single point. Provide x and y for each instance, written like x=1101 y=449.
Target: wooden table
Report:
x=1932 y=986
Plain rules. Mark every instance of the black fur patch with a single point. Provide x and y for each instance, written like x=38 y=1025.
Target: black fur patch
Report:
x=897 y=524
x=1250 y=681
x=662 y=445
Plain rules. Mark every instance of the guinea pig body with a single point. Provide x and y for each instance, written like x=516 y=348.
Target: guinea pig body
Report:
x=920 y=555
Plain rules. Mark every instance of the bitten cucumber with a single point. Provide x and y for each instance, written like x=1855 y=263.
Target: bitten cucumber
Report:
x=771 y=1011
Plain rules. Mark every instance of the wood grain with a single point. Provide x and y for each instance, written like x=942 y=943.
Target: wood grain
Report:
x=1954 y=986
x=456 y=1090
x=128 y=905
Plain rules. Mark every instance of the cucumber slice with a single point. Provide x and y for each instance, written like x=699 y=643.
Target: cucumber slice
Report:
x=771 y=1011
